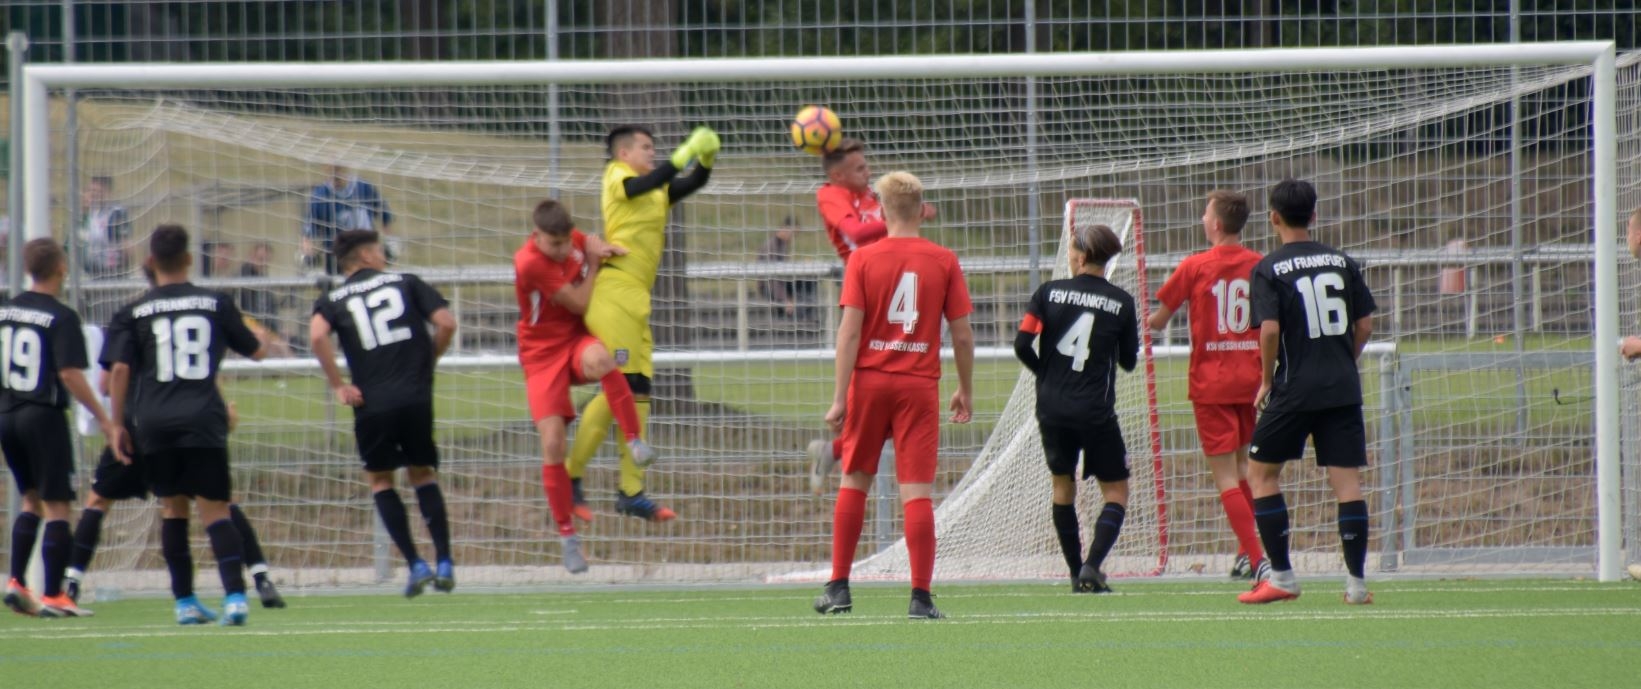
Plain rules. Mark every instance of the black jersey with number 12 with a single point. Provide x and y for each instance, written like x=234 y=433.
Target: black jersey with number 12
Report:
x=1316 y=293
x=1089 y=329
x=39 y=337
x=174 y=341
x=381 y=319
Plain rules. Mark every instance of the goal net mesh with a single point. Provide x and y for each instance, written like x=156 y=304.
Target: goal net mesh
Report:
x=1477 y=246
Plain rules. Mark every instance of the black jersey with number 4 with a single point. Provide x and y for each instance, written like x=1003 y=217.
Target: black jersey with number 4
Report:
x=1316 y=294
x=39 y=337
x=174 y=339
x=381 y=319
x=1087 y=328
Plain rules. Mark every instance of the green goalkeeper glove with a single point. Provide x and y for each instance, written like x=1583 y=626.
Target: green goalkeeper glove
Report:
x=702 y=143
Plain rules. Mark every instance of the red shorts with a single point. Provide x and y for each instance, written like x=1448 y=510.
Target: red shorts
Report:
x=1224 y=428
x=547 y=380
x=884 y=406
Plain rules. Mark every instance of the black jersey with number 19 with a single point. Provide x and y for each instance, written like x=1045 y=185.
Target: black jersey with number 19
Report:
x=174 y=340
x=1316 y=294
x=381 y=319
x=39 y=337
x=1087 y=328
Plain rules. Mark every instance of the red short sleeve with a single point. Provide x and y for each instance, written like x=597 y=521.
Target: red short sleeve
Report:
x=957 y=292
x=1178 y=286
x=854 y=286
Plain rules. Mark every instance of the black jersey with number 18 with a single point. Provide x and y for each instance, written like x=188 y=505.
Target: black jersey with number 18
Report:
x=381 y=319
x=1087 y=328
x=1316 y=294
x=174 y=341
x=39 y=337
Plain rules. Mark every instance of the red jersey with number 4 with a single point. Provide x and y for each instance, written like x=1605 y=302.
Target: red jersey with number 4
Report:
x=1224 y=338
x=546 y=329
x=905 y=285
x=852 y=220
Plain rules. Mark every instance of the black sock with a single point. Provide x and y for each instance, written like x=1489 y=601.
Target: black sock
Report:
x=1071 y=539
x=392 y=511
x=1271 y=514
x=23 y=533
x=229 y=548
x=431 y=501
x=86 y=535
x=1353 y=535
x=178 y=558
x=1106 y=529
x=54 y=549
x=252 y=547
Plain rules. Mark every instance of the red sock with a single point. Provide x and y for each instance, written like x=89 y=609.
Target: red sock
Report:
x=920 y=541
x=555 y=481
x=619 y=394
x=847 y=519
x=1242 y=523
x=837 y=448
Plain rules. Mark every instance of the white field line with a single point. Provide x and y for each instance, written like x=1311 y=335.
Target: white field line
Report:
x=1046 y=591
x=800 y=621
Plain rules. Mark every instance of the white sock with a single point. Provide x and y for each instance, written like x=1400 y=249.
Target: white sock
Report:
x=1284 y=579
x=1355 y=584
x=72 y=573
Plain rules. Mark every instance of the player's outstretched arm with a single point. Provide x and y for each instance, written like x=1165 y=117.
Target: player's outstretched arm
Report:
x=319 y=340
x=1159 y=318
x=80 y=388
x=838 y=210
x=1270 y=336
x=963 y=352
x=848 y=353
x=119 y=383
x=444 y=331
x=1361 y=331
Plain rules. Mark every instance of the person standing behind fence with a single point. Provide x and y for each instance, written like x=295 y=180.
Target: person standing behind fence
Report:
x=105 y=231
x=342 y=202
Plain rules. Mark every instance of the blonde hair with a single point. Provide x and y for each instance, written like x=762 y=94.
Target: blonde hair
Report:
x=901 y=194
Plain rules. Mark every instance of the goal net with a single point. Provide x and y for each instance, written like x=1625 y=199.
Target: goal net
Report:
x=1466 y=191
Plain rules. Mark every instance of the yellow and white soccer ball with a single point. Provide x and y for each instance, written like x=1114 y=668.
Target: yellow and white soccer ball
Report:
x=817 y=130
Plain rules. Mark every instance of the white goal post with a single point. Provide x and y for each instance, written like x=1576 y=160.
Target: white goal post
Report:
x=39 y=81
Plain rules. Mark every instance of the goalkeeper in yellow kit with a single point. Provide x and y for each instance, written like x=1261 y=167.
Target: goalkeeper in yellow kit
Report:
x=637 y=194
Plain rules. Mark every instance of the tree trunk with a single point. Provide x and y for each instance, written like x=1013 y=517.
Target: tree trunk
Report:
x=648 y=32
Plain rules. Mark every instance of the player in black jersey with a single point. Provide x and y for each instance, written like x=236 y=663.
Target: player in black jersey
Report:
x=170 y=346
x=381 y=319
x=1315 y=315
x=114 y=480
x=1087 y=327
x=42 y=363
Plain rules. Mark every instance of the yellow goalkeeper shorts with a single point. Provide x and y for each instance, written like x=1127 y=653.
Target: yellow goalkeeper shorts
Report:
x=619 y=316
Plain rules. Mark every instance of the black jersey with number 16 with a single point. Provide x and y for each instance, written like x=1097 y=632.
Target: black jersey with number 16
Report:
x=1086 y=329
x=1316 y=293
x=174 y=340
x=39 y=337
x=381 y=319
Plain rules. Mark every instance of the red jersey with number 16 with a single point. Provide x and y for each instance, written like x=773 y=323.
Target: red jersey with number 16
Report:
x=1224 y=338
x=545 y=329
x=905 y=285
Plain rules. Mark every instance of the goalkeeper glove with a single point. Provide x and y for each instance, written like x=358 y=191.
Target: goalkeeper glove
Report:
x=702 y=143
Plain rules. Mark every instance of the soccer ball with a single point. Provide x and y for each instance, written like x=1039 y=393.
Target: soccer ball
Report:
x=817 y=130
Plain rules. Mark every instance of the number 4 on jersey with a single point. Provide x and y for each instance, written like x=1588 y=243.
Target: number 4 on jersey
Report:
x=903 y=306
x=1074 y=343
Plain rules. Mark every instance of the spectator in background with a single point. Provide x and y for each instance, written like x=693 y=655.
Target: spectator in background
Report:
x=784 y=292
x=261 y=306
x=343 y=202
x=219 y=260
x=105 y=231
x=1630 y=347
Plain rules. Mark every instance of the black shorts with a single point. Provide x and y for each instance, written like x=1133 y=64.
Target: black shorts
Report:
x=1101 y=446
x=116 y=481
x=397 y=438
x=197 y=472
x=39 y=451
x=1337 y=433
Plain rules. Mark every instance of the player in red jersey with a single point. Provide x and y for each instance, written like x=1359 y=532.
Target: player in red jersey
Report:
x=854 y=219
x=888 y=383
x=1224 y=374
x=554 y=271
